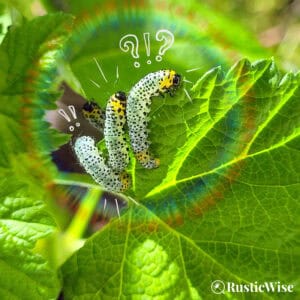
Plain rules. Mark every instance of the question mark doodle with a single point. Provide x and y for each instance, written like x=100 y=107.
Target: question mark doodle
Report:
x=67 y=118
x=131 y=42
x=168 y=38
x=125 y=44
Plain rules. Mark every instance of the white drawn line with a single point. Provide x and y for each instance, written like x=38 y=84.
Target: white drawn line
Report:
x=72 y=111
x=188 y=81
x=100 y=70
x=105 y=202
x=95 y=83
x=117 y=206
x=64 y=114
x=193 y=70
x=188 y=95
x=117 y=73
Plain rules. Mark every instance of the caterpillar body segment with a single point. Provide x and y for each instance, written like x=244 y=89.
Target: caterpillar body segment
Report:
x=138 y=108
x=93 y=162
x=114 y=132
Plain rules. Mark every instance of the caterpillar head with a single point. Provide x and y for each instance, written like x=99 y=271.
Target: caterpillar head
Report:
x=169 y=82
x=118 y=103
x=93 y=113
x=121 y=96
x=91 y=108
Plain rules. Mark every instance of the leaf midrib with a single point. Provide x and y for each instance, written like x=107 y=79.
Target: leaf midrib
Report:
x=178 y=161
x=244 y=154
x=74 y=181
x=223 y=166
x=196 y=246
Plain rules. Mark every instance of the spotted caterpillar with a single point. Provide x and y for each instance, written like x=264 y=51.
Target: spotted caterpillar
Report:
x=111 y=175
x=138 y=108
x=94 y=114
x=94 y=164
x=111 y=123
x=114 y=132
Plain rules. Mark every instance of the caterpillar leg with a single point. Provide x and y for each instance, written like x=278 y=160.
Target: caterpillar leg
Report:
x=146 y=160
x=94 y=164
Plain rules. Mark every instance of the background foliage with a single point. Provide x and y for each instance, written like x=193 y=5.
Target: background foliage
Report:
x=225 y=202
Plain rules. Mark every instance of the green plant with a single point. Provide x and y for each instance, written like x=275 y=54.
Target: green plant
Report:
x=224 y=204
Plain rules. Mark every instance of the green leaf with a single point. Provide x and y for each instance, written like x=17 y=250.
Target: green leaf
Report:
x=224 y=205
x=28 y=72
x=20 y=7
x=23 y=222
x=30 y=46
x=228 y=116
x=129 y=258
x=28 y=86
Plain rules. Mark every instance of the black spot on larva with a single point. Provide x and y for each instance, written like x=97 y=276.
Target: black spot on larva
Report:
x=121 y=96
x=90 y=106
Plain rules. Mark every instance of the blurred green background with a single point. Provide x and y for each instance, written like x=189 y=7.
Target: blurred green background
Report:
x=274 y=23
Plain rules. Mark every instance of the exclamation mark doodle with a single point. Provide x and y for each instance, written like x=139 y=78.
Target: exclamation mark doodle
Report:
x=67 y=118
x=147 y=45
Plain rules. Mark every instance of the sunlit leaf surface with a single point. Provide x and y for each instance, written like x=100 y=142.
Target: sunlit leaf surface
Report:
x=226 y=206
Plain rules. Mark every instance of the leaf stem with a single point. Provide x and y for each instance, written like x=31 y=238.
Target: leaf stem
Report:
x=82 y=217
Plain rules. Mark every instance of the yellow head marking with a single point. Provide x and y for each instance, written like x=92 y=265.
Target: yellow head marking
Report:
x=167 y=80
x=117 y=105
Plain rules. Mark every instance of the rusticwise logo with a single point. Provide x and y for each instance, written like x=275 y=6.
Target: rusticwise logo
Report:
x=220 y=287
